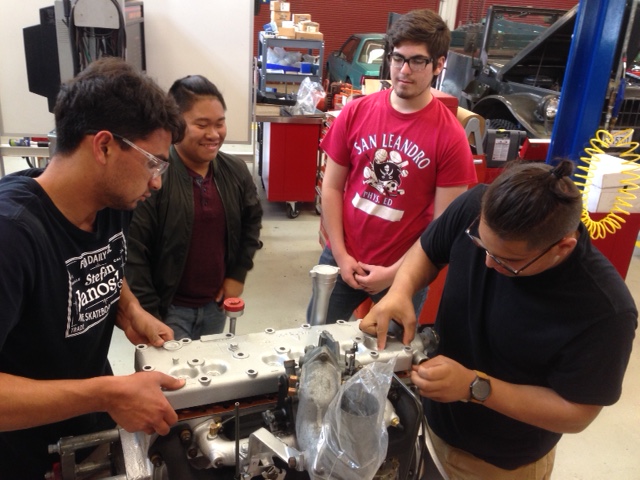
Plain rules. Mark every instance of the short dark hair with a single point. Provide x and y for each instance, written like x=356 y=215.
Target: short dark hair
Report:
x=187 y=90
x=422 y=26
x=535 y=202
x=111 y=94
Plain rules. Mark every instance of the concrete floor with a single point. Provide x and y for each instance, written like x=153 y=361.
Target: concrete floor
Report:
x=277 y=293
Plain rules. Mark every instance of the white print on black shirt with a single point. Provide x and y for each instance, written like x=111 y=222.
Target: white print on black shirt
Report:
x=95 y=280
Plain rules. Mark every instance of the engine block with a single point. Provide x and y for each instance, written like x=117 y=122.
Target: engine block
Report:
x=243 y=401
x=225 y=367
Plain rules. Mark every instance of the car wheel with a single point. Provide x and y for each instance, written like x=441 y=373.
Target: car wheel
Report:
x=501 y=123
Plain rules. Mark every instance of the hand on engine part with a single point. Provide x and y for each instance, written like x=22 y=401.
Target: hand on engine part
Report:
x=396 y=306
x=147 y=329
x=442 y=379
x=376 y=278
x=136 y=402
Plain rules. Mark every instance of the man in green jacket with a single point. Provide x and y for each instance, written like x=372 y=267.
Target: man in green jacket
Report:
x=192 y=243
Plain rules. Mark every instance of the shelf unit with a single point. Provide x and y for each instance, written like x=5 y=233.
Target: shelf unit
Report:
x=265 y=42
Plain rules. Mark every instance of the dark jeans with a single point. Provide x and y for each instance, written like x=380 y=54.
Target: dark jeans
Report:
x=193 y=323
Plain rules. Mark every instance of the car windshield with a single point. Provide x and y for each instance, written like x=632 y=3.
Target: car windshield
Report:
x=512 y=31
x=372 y=52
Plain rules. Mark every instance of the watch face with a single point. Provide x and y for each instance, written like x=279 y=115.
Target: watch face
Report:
x=480 y=389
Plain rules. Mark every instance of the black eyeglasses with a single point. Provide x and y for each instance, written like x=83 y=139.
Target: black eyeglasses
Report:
x=416 y=63
x=478 y=243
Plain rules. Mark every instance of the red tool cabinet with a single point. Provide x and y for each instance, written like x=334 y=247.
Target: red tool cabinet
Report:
x=290 y=159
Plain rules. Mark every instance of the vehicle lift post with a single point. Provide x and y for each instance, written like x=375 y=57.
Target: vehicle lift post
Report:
x=596 y=35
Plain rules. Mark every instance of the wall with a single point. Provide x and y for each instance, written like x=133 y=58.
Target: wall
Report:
x=21 y=112
x=339 y=19
x=208 y=37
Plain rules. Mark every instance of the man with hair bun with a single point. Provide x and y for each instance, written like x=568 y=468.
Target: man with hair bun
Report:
x=535 y=324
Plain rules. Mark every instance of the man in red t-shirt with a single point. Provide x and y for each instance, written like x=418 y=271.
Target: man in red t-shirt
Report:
x=396 y=159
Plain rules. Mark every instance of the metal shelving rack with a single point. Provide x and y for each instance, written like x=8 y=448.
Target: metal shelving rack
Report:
x=266 y=41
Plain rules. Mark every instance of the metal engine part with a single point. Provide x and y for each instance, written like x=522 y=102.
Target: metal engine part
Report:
x=240 y=407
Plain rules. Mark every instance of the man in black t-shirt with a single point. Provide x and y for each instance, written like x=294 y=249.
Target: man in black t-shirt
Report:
x=62 y=256
x=536 y=326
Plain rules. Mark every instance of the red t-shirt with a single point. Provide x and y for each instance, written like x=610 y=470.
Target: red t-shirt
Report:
x=395 y=163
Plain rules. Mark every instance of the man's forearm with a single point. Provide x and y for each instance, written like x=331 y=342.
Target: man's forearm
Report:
x=541 y=407
x=415 y=272
x=26 y=403
x=332 y=220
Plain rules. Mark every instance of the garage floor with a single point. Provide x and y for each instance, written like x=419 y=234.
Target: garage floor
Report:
x=277 y=293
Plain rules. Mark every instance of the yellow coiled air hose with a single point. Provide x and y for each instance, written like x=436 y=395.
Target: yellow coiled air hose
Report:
x=614 y=219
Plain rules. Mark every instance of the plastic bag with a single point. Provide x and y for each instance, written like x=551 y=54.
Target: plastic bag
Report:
x=280 y=56
x=319 y=384
x=309 y=94
x=354 y=438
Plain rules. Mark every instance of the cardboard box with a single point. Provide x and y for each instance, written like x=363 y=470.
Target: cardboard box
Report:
x=280 y=17
x=283 y=87
x=275 y=6
x=372 y=85
x=286 y=32
x=301 y=17
x=309 y=35
x=309 y=26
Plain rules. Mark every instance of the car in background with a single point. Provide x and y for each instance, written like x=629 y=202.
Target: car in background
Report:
x=511 y=70
x=359 y=57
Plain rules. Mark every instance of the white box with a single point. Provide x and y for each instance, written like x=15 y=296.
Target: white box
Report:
x=608 y=171
x=606 y=185
x=276 y=6
x=602 y=200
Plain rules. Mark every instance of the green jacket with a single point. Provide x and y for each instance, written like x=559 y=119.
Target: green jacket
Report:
x=160 y=231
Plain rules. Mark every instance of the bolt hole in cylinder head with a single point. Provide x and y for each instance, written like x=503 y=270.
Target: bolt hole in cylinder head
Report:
x=172 y=345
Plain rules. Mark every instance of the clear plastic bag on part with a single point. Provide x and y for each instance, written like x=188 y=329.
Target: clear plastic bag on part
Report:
x=354 y=438
x=280 y=56
x=309 y=94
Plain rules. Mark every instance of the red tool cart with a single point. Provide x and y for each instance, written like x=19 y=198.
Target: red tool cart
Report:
x=289 y=158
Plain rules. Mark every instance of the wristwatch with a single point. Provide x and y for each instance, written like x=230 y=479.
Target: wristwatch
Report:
x=480 y=388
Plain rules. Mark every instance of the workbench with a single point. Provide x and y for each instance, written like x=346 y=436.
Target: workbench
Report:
x=40 y=155
x=288 y=158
